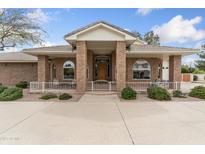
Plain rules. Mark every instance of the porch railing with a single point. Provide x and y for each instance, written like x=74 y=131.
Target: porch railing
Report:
x=142 y=86
x=101 y=85
x=51 y=86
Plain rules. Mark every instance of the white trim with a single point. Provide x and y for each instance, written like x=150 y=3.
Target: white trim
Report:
x=145 y=69
x=70 y=67
x=127 y=36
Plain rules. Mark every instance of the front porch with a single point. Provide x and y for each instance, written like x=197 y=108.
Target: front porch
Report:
x=105 y=66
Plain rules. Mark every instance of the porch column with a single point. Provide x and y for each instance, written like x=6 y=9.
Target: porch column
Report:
x=81 y=65
x=120 y=65
x=43 y=69
x=165 y=68
x=175 y=68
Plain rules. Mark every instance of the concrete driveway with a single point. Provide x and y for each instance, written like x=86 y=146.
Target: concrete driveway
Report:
x=99 y=119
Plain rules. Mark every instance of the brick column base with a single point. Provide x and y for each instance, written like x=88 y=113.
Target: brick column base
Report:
x=120 y=65
x=81 y=66
x=175 y=68
x=43 y=69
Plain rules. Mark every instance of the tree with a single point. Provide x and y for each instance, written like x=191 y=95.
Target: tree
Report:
x=16 y=28
x=151 y=38
x=187 y=69
x=200 y=64
x=137 y=35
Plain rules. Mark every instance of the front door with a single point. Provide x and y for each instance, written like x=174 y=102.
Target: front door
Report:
x=102 y=67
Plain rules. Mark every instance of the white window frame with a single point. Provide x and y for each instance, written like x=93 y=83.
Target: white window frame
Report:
x=135 y=69
x=72 y=66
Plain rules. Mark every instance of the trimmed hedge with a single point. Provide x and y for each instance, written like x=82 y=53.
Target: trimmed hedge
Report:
x=48 y=96
x=128 y=93
x=158 y=93
x=22 y=84
x=11 y=94
x=178 y=93
x=65 y=96
x=198 y=92
x=2 y=88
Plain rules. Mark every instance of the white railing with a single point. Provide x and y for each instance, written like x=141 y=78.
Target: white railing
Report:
x=183 y=86
x=101 y=85
x=51 y=86
x=142 y=86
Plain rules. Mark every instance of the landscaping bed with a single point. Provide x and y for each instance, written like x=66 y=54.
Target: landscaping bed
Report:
x=35 y=97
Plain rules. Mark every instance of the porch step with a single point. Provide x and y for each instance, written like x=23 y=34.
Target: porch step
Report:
x=101 y=92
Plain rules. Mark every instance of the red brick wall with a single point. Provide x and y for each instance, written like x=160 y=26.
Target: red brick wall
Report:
x=81 y=66
x=120 y=65
x=154 y=62
x=59 y=67
x=175 y=68
x=12 y=73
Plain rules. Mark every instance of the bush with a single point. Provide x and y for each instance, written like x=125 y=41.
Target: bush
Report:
x=65 y=96
x=198 y=71
x=158 y=93
x=128 y=93
x=198 y=92
x=22 y=84
x=195 y=78
x=48 y=96
x=178 y=93
x=2 y=88
x=11 y=94
x=1 y=84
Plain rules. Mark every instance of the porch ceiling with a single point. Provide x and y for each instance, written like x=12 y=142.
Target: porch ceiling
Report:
x=101 y=47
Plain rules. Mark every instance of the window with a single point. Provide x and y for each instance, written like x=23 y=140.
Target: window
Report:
x=141 y=70
x=68 y=70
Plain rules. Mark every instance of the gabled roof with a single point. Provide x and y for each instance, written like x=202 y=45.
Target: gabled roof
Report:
x=99 y=22
x=103 y=23
x=16 y=57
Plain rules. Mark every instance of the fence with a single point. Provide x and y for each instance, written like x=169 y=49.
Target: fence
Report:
x=51 y=86
x=101 y=85
x=142 y=86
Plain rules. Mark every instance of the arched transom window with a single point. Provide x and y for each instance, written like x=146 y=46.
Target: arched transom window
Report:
x=141 y=70
x=68 y=70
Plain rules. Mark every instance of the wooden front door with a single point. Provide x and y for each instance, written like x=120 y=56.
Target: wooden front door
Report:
x=102 y=67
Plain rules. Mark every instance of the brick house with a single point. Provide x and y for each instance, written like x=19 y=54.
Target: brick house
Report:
x=99 y=56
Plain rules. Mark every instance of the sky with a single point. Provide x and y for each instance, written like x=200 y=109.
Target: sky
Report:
x=176 y=27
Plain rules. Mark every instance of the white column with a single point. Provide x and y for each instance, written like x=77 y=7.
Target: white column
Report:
x=165 y=68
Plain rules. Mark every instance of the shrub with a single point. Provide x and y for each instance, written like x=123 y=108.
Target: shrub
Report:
x=195 y=78
x=48 y=96
x=65 y=96
x=10 y=94
x=1 y=84
x=198 y=92
x=198 y=71
x=2 y=88
x=128 y=93
x=158 y=93
x=22 y=84
x=178 y=93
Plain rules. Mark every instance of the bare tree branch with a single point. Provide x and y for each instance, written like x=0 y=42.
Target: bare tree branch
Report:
x=17 y=29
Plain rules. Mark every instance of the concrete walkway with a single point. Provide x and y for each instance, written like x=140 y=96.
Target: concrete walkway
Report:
x=98 y=119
